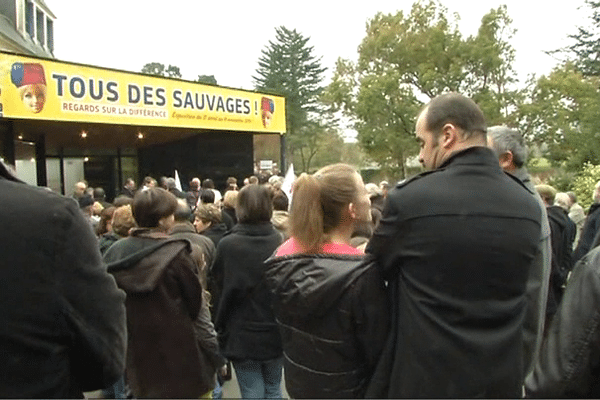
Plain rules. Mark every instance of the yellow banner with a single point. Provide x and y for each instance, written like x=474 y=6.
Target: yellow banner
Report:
x=33 y=88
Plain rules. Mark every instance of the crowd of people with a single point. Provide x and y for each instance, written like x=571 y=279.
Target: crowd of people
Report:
x=466 y=280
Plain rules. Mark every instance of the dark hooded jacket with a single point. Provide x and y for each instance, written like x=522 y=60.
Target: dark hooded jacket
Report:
x=332 y=314
x=165 y=357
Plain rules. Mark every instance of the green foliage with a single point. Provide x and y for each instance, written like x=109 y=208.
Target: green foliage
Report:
x=289 y=67
x=561 y=180
x=158 y=69
x=210 y=79
x=561 y=112
x=404 y=60
x=583 y=185
x=586 y=49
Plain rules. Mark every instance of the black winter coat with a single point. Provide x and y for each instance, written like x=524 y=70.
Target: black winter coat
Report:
x=563 y=234
x=244 y=320
x=333 y=317
x=569 y=361
x=456 y=245
x=62 y=317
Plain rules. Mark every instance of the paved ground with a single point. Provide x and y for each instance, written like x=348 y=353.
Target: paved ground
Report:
x=231 y=390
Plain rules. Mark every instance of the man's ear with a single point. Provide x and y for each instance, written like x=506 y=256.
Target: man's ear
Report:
x=506 y=160
x=449 y=136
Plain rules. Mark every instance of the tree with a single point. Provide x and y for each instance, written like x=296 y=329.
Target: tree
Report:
x=586 y=49
x=210 y=79
x=404 y=60
x=560 y=112
x=289 y=67
x=158 y=69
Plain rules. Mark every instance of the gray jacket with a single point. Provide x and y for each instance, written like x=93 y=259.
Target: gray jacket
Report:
x=537 y=284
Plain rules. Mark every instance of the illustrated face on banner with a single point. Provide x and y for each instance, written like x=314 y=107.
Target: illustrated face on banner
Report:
x=33 y=96
x=30 y=80
x=267 y=109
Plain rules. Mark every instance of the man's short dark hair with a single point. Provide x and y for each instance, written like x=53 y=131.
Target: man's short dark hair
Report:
x=456 y=109
x=254 y=204
x=99 y=194
x=150 y=205
x=208 y=184
x=207 y=196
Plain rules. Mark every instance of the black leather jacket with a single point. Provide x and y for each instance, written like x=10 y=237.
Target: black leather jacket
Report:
x=569 y=361
x=332 y=313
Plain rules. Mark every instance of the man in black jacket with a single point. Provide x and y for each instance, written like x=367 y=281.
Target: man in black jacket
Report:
x=62 y=317
x=455 y=245
x=563 y=234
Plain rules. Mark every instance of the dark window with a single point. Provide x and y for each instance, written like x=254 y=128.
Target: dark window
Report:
x=40 y=26
x=50 y=35
x=29 y=19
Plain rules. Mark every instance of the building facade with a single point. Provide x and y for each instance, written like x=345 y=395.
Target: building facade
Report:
x=27 y=27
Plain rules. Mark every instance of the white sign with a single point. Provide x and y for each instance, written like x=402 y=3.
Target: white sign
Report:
x=266 y=164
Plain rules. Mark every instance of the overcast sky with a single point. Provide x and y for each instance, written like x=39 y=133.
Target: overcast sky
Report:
x=225 y=38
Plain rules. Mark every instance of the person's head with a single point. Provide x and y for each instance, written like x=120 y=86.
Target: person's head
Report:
x=123 y=221
x=563 y=201
x=99 y=194
x=163 y=182
x=253 y=180
x=232 y=180
x=149 y=182
x=448 y=123
x=547 y=193
x=105 y=224
x=385 y=187
x=572 y=197
x=207 y=196
x=79 y=189
x=171 y=184
x=280 y=201
x=596 y=195
x=130 y=184
x=154 y=208
x=208 y=184
x=206 y=215
x=230 y=198
x=254 y=205
x=332 y=198
x=85 y=204
x=509 y=146
x=122 y=200
x=97 y=208
x=195 y=184
x=183 y=213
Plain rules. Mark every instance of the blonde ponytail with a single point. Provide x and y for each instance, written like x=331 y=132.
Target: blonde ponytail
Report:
x=306 y=213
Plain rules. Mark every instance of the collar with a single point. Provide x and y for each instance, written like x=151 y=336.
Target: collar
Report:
x=476 y=155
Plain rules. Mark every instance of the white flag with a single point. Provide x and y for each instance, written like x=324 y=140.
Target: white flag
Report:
x=288 y=181
x=177 y=181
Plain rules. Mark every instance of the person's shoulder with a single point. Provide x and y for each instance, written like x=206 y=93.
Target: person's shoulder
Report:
x=413 y=183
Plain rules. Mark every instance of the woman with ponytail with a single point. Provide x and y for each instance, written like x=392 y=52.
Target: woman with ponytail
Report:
x=329 y=300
